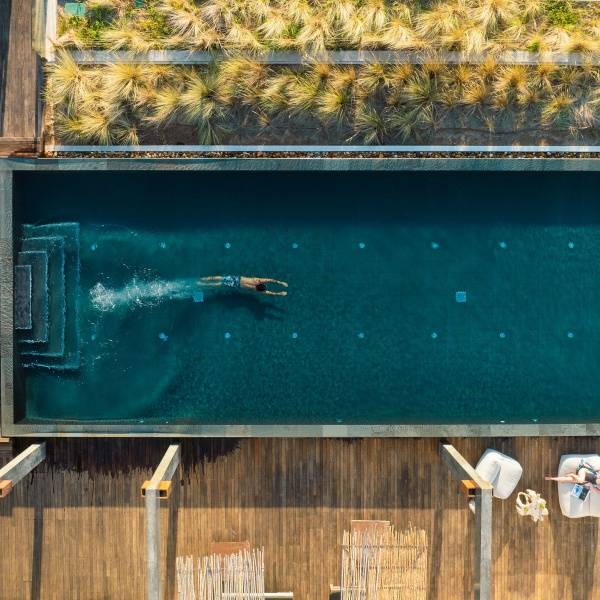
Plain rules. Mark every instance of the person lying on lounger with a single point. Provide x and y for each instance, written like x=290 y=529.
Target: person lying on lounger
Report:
x=585 y=475
x=241 y=282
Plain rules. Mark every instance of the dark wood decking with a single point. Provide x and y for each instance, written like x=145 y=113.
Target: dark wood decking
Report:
x=19 y=78
x=75 y=528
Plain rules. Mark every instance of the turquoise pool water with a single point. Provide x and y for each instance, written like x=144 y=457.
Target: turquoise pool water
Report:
x=374 y=329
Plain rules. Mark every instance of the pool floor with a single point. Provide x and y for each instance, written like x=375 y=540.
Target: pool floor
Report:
x=413 y=298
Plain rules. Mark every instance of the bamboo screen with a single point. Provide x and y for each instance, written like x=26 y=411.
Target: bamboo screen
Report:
x=384 y=564
x=239 y=576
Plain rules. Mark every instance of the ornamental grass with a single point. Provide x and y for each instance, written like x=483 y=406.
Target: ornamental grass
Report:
x=372 y=104
x=313 y=26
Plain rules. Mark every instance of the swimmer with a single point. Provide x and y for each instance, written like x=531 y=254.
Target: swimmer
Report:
x=241 y=282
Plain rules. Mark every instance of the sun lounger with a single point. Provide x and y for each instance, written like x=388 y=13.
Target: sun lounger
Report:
x=572 y=507
x=501 y=471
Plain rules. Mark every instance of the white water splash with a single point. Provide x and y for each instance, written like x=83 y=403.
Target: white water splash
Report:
x=142 y=293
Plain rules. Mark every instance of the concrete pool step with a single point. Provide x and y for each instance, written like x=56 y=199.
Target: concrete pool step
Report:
x=37 y=261
x=62 y=351
x=54 y=248
x=23 y=297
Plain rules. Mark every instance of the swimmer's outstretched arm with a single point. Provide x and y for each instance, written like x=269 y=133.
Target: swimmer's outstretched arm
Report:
x=267 y=280
x=270 y=293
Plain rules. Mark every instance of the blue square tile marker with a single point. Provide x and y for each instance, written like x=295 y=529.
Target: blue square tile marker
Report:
x=461 y=296
x=74 y=9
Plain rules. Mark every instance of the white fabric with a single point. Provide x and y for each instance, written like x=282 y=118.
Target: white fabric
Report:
x=569 y=505
x=503 y=472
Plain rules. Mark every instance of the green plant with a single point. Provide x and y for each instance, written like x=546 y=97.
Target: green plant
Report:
x=556 y=111
x=560 y=13
x=303 y=90
x=422 y=89
x=405 y=123
x=334 y=104
x=369 y=125
x=154 y=24
x=200 y=101
x=274 y=96
x=89 y=29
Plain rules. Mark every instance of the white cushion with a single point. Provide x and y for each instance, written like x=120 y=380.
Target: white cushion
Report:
x=569 y=505
x=503 y=472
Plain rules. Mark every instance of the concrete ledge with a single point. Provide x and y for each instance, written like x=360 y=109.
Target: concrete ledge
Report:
x=339 y=57
x=397 y=149
x=6 y=300
x=80 y=429
x=295 y=163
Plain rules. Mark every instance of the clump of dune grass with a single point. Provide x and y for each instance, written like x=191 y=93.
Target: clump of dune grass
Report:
x=128 y=81
x=122 y=37
x=163 y=104
x=69 y=83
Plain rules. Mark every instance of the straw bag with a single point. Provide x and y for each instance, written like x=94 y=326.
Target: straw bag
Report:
x=531 y=504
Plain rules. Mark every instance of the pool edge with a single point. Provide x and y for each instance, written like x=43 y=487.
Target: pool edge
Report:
x=6 y=302
x=293 y=163
x=301 y=431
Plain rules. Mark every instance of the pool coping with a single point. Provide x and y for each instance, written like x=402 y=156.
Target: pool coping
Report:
x=9 y=428
x=296 y=150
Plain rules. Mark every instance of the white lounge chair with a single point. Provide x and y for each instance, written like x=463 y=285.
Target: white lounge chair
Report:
x=569 y=505
x=503 y=472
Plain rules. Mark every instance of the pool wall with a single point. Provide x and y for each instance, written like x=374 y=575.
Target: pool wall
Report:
x=10 y=424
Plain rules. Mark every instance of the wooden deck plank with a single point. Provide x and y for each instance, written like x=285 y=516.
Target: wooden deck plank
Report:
x=19 y=78
x=75 y=527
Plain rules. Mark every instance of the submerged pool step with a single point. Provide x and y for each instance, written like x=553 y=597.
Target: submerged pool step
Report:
x=54 y=247
x=62 y=349
x=23 y=297
x=37 y=261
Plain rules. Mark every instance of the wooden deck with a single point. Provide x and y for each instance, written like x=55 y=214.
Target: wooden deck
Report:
x=19 y=79
x=75 y=528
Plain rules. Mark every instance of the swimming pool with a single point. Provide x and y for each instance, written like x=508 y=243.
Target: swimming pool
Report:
x=414 y=298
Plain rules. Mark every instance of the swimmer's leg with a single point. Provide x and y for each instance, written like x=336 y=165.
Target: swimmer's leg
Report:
x=214 y=281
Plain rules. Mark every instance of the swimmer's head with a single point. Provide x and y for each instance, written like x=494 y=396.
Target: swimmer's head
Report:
x=261 y=287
